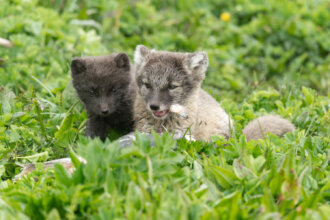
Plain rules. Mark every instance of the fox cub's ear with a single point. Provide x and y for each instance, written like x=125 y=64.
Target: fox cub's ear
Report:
x=197 y=63
x=122 y=61
x=78 y=66
x=140 y=54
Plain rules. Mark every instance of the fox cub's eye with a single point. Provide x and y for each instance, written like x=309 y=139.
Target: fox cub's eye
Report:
x=171 y=87
x=147 y=85
x=92 y=92
x=114 y=90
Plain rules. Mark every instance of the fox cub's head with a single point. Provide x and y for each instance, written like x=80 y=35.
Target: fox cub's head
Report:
x=167 y=78
x=101 y=82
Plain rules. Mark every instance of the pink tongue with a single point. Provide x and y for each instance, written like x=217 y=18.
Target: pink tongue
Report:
x=160 y=113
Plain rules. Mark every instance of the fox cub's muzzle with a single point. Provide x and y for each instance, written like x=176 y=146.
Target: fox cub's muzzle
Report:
x=158 y=103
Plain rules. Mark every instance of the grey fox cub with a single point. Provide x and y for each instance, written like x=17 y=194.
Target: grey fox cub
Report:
x=166 y=79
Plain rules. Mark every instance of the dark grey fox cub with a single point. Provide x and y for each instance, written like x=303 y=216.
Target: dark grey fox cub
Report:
x=104 y=84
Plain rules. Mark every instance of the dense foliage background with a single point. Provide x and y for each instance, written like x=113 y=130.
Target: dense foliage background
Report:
x=265 y=57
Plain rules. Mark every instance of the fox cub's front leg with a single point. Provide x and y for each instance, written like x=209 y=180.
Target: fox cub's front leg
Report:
x=96 y=127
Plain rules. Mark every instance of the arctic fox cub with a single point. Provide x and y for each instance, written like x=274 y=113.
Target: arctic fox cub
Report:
x=168 y=80
x=105 y=85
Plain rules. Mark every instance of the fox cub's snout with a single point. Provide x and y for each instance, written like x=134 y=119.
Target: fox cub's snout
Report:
x=158 y=98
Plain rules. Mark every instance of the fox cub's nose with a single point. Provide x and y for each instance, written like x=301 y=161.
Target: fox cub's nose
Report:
x=105 y=111
x=104 y=108
x=154 y=107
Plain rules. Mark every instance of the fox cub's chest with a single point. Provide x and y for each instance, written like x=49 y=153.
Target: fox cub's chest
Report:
x=145 y=122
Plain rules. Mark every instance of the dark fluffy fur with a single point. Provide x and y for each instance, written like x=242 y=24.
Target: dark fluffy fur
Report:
x=104 y=84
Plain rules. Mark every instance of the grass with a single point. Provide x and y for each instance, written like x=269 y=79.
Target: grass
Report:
x=269 y=57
